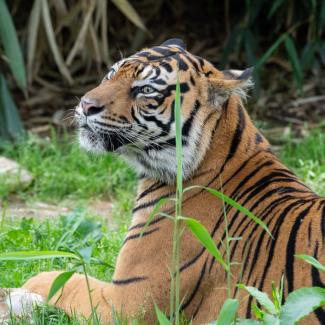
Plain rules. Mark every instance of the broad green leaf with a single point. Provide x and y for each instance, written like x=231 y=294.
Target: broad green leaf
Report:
x=234 y=204
x=301 y=303
x=85 y=253
x=261 y=297
x=162 y=318
x=311 y=260
x=11 y=125
x=59 y=283
x=9 y=40
x=35 y=255
x=127 y=9
x=294 y=60
x=270 y=51
x=228 y=312
x=201 y=233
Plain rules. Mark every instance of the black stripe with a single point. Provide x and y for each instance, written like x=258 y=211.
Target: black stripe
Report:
x=238 y=134
x=182 y=65
x=317 y=282
x=280 y=221
x=129 y=280
x=146 y=233
x=192 y=261
x=249 y=304
x=322 y=221
x=152 y=202
x=188 y=123
x=195 y=65
x=151 y=189
x=291 y=247
x=196 y=288
x=142 y=224
x=198 y=307
x=309 y=232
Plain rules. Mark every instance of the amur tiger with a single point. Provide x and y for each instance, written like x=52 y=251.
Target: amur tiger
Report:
x=131 y=112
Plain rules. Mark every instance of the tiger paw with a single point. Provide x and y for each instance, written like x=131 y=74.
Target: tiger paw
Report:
x=18 y=303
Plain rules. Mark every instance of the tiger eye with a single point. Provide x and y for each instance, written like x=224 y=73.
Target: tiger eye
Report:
x=147 y=90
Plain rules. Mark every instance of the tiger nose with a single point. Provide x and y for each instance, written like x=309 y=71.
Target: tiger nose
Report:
x=90 y=106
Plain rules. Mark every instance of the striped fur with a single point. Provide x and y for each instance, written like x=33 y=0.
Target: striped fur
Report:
x=222 y=150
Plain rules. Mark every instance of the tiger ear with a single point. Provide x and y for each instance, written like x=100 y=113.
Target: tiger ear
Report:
x=236 y=82
x=175 y=42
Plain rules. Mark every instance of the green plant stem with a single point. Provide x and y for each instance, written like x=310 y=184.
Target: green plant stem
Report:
x=175 y=283
x=228 y=261
x=93 y=313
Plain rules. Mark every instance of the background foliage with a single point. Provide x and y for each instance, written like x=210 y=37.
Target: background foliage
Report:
x=66 y=46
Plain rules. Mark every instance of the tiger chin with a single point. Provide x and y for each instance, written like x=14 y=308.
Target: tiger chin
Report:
x=131 y=112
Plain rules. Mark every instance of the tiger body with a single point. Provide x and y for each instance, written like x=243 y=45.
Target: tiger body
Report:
x=222 y=150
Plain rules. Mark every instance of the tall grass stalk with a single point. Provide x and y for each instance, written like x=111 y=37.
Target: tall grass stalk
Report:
x=175 y=276
x=227 y=245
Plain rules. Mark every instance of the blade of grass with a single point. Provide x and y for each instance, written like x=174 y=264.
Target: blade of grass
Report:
x=11 y=46
x=80 y=41
x=234 y=204
x=270 y=51
x=35 y=255
x=154 y=212
x=104 y=24
x=53 y=45
x=311 y=260
x=163 y=320
x=275 y=6
x=294 y=60
x=33 y=26
x=127 y=9
x=175 y=283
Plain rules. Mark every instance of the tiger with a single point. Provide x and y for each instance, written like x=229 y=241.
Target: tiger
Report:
x=132 y=113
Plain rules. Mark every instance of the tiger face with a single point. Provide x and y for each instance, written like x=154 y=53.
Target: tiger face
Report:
x=131 y=112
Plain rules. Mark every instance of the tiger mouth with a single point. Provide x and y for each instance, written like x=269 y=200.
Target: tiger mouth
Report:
x=110 y=141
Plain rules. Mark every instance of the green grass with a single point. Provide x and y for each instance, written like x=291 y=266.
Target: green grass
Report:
x=72 y=232
x=307 y=159
x=63 y=172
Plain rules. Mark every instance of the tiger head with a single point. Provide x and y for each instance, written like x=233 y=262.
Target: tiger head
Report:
x=131 y=111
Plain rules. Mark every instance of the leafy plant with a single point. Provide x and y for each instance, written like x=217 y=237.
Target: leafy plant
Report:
x=10 y=123
x=284 y=20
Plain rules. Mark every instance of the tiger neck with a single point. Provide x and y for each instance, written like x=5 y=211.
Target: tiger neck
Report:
x=235 y=139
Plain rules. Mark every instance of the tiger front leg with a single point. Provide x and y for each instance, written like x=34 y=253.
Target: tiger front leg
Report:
x=125 y=301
